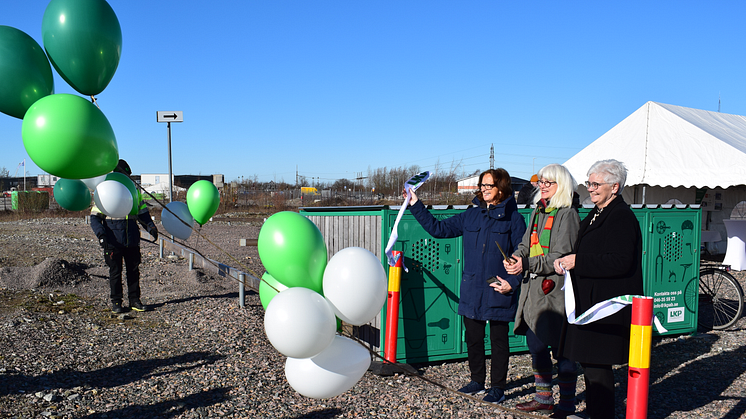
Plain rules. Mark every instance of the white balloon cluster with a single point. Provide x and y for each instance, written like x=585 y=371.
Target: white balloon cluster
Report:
x=301 y=324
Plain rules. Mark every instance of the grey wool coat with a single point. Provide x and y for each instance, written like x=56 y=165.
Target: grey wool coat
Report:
x=544 y=314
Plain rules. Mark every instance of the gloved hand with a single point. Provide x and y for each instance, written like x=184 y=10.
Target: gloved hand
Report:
x=102 y=242
x=153 y=231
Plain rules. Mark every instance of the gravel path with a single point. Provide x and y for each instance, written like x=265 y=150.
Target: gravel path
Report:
x=198 y=355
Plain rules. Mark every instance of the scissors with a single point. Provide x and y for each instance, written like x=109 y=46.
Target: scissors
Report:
x=509 y=259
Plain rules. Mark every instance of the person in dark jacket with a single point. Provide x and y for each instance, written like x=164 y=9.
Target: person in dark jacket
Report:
x=607 y=263
x=551 y=234
x=528 y=191
x=120 y=240
x=494 y=219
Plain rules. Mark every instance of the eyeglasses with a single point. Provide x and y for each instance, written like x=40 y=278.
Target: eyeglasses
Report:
x=486 y=185
x=546 y=183
x=595 y=185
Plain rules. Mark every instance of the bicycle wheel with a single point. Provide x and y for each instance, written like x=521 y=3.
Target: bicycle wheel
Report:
x=720 y=299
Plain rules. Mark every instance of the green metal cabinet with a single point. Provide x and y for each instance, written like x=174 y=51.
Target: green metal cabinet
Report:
x=429 y=327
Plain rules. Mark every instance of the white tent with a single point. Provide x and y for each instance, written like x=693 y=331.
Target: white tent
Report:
x=667 y=145
x=676 y=155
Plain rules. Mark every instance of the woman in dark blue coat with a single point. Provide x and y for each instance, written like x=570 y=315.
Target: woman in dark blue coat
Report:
x=494 y=219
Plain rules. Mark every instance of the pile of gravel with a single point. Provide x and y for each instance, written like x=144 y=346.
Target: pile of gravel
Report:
x=51 y=273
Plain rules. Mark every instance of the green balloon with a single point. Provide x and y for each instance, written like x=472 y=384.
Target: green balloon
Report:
x=203 y=199
x=84 y=42
x=24 y=70
x=268 y=288
x=126 y=181
x=69 y=137
x=293 y=251
x=72 y=194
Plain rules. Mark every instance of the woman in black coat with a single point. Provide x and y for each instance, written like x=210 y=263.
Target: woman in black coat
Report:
x=607 y=264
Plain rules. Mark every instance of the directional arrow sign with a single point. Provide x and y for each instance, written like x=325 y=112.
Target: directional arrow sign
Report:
x=170 y=116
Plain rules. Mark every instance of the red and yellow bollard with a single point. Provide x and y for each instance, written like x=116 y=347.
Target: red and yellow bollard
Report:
x=641 y=337
x=392 y=308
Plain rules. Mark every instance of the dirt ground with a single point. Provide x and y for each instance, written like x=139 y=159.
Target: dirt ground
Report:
x=63 y=255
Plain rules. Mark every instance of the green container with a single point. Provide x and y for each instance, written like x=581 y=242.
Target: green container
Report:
x=429 y=326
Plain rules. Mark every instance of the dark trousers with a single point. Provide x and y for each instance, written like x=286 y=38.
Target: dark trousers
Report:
x=599 y=391
x=116 y=259
x=541 y=356
x=475 y=334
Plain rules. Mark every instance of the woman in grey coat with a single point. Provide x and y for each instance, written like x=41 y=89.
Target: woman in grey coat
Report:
x=551 y=234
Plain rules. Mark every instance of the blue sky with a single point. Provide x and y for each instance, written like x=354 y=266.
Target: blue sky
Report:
x=335 y=88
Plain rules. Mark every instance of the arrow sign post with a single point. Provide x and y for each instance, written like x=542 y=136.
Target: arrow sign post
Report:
x=169 y=117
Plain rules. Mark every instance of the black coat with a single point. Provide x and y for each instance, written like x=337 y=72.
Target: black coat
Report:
x=120 y=233
x=608 y=263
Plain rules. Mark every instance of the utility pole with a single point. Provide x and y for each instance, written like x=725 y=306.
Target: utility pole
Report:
x=492 y=156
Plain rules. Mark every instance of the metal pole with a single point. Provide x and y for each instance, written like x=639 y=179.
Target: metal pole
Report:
x=191 y=261
x=638 y=379
x=170 y=171
x=392 y=308
x=241 y=290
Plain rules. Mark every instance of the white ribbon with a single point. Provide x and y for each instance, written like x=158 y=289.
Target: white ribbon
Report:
x=599 y=310
x=411 y=185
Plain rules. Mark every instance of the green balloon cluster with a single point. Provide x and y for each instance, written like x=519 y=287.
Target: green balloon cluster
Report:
x=24 y=70
x=84 y=42
x=68 y=136
x=203 y=199
x=293 y=251
x=65 y=135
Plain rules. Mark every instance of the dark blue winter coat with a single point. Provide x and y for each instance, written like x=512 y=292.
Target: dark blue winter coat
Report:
x=480 y=228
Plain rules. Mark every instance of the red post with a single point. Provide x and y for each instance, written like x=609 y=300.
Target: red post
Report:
x=392 y=308
x=640 y=342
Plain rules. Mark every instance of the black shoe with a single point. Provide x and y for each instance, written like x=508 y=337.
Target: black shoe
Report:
x=494 y=395
x=117 y=308
x=137 y=305
x=472 y=388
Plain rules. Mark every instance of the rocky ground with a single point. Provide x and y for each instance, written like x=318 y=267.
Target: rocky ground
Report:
x=198 y=354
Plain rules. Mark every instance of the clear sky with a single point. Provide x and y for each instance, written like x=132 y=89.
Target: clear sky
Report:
x=335 y=88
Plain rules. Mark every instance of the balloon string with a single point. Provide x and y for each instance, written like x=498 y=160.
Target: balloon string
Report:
x=409 y=373
x=199 y=234
x=93 y=100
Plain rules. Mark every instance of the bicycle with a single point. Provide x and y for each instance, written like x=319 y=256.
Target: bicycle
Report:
x=720 y=303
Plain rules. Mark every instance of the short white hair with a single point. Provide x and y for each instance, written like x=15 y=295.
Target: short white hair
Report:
x=612 y=171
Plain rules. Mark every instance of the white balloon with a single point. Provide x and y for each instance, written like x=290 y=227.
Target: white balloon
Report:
x=91 y=183
x=173 y=223
x=355 y=285
x=299 y=322
x=113 y=199
x=332 y=372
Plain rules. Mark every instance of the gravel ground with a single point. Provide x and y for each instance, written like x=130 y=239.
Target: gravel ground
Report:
x=199 y=355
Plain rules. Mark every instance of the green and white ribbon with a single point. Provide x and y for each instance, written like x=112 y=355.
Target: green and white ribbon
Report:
x=411 y=185
x=599 y=310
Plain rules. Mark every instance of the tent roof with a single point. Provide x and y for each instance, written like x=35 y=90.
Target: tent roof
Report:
x=667 y=145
